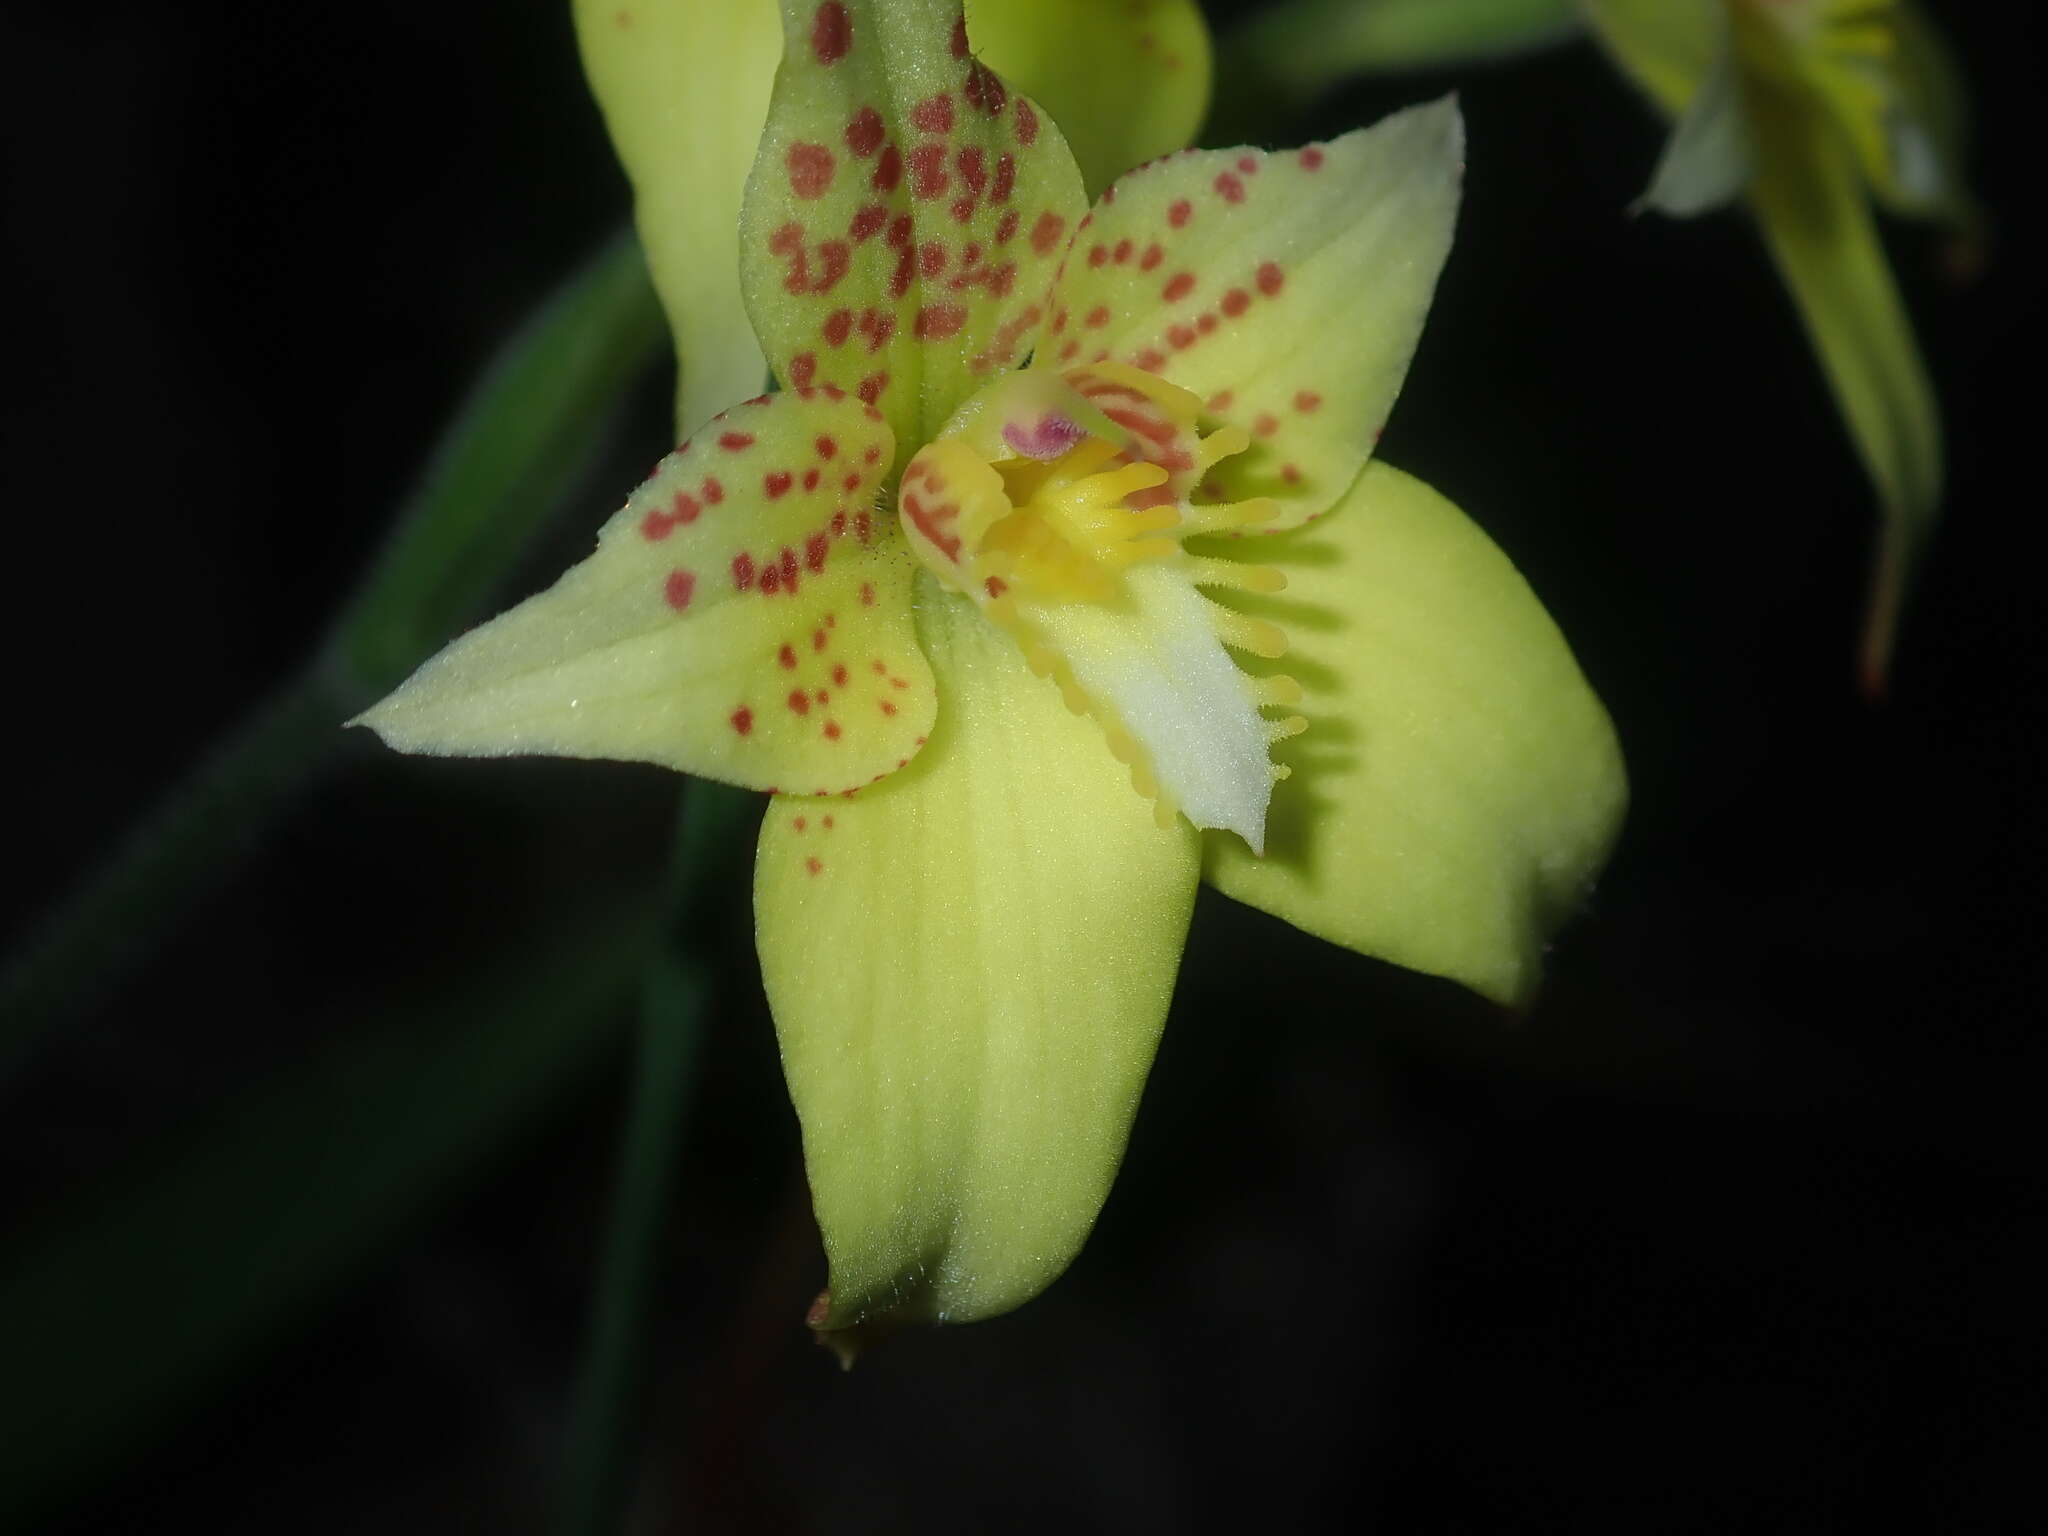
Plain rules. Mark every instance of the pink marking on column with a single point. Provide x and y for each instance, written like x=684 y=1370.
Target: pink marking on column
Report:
x=743 y=719
x=680 y=587
x=1229 y=188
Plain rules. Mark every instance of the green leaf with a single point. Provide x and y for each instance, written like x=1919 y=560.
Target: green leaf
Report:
x=116 y=1315
x=1305 y=45
x=1459 y=784
x=525 y=438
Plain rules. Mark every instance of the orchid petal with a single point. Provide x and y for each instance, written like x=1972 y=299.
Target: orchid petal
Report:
x=1125 y=82
x=1459 y=785
x=746 y=617
x=1706 y=162
x=684 y=88
x=1817 y=223
x=1287 y=290
x=969 y=965
x=905 y=212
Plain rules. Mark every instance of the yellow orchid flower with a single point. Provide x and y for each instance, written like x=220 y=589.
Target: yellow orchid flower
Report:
x=1809 y=108
x=951 y=596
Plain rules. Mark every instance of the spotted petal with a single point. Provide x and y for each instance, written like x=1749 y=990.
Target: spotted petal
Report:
x=746 y=617
x=969 y=965
x=1459 y=784
x=1285 y=289
x=905 y=213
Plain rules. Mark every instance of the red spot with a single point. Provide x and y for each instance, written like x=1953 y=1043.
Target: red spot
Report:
x=787 y=657
x=1006 y=179
x=1270 y=278
x=1290 y=474
x=958 y=44
x=837 y=256
x=680 y=587
x=863 y=525
x=877 y=326
x=867 y=223
x=802 y=369
x=1070 y=351
x=1027 y=123
x=1306 y=401
x=1248 y=165
x=1148 y=360
x=836 y=327
x=1097 y=255
x=831 y=33
x=799 y=702
x=814 y=556
x=771 y=578
x=972 y=169
x=1220 y=401
x=935 y=322
x=928 y=170
x=828 y=823
x=996 y=586
x=931 y=258
x=1154 y=254
x=1178 y=287
x=1229 y=188
x=984 y=90
x=839 y=677
x=811 y=478
x=1236 y=302
x=799 y=824
x=831 y=730
x=872 y=386
x=1122 y=253
x=824 y=445
x=888 y=707
x=743 y=719
x=1045 y=234
x=867 y=600
x=733 y=442
x=881 y=668
x=1311 y=159
x=810 y=169
x=864 y=132
x=1006 y=227
x=789 y=567
x=818 y=635
x=888 y=170
x=1097 y=317
x=850 y=483
x=776 y=482
x=1205 y=322
x=934 y=114
x=1179 y=214
x=813 y=865
x=742 y=571
x=872 y=454
x=714 y=492
x=1264 y=425
x=1180 y=337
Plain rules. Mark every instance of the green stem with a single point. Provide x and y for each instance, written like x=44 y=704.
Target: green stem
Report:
x=521 y=445
x=116 y=920
x=711 y=847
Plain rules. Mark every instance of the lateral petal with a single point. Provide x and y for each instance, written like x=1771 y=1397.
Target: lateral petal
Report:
x=1459 y=784
x=746 y=617
x=1285 y=289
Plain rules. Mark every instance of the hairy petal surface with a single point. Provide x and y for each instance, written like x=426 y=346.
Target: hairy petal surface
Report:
x=746 y=617
x=1126 y=82
x=684 y=87
x=1286 y=289
x=905 y=212
x=1459 y=785
x=969 y=965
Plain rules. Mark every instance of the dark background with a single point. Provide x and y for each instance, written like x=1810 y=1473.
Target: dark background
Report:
x=1726 y=1235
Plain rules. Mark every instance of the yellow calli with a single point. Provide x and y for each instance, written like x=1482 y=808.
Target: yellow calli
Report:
x=990 y=595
